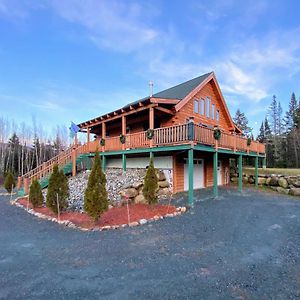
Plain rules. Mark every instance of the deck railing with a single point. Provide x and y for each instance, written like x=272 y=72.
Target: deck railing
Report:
x=172 y=135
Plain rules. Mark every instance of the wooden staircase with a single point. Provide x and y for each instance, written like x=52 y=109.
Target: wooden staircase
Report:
x=66 y=160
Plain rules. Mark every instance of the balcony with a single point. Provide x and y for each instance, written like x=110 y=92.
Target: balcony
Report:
x=177 y=135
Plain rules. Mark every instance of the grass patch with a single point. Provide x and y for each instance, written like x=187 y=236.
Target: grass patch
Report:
x=270 y=171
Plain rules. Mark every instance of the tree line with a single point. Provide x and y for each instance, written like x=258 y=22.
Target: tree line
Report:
x=279 y=131
x=25 y=146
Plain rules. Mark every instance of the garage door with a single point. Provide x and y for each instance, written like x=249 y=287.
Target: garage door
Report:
x=198 y=174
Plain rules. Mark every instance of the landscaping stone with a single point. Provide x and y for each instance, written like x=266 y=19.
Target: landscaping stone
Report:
x=295 y=191
x=161 y=176
x=282 y=190
x=163 y=184
x=143 y=221
x=283 y=182
x=273 y=181
x=131 y=192
x=261 y=180
x=140 y=199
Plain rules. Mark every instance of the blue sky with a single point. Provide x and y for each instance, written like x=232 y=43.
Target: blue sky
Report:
x=65 y=60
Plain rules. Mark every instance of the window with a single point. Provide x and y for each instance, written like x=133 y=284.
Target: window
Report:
x=213 y=111
x=208 y=107
x=202 y=107
x=218 y=115
x=196 y=106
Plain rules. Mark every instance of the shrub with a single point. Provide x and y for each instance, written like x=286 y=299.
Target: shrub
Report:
x=35 y=194
x=150 y=184
x=58 y=187
x=95 y=195
x=9 y=182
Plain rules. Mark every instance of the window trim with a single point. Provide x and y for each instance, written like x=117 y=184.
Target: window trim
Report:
x=208 y=107
x=196 y=105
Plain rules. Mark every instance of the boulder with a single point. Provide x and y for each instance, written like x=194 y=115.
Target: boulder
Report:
x=273 y=181
x=161 y=176
x=295 y=191
x=140 y=199
x=251 y=180
x=283 y=182
x=137 y=185
x=292 y=179
x=261 y=180
x=163 y=184
x=131 y=192
x=163 y=191
x=282 y=190
x=297 y=183
x=234 y=179
x=245 y=179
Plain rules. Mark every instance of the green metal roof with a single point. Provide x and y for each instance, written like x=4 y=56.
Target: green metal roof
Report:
x=176 y=92
x=181 y=90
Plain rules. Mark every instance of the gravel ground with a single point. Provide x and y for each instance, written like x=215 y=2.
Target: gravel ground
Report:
x=239 y=246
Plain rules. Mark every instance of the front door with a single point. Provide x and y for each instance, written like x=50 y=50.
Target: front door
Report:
x=198 y=174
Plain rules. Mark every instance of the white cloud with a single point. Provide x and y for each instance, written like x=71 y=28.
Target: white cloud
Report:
x=109 y=24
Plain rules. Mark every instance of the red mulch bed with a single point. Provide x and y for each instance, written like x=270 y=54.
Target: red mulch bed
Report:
x=114 y=216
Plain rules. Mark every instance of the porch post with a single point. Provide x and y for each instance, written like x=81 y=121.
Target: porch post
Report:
x=103 y=135
x=26 y=185
x=152 y=155
x=103 y=163
x=191 y=177
x=215 y=163
x=151 y=122
x=240 y=172
x=256 y=171
x=19 y=184
x=123 y=129
x=124 y=161
x=88 y=138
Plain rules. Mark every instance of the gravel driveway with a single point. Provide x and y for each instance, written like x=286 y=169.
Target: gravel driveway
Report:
x=241 y=246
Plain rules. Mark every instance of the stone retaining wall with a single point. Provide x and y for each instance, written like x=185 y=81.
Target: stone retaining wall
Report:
x=289 y=185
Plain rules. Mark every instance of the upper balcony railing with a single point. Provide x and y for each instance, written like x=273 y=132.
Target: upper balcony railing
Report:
x=175 y=135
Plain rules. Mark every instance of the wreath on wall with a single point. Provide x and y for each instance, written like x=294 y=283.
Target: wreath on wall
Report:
x=102 y=142
x=249 y=141
x=217 y=134
x=150 y=134
x=122 y=139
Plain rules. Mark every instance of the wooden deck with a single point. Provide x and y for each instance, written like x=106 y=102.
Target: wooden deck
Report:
x=176 y=135
x=166 y=136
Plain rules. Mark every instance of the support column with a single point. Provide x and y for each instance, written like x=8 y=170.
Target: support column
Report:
x=88 y=138
x=191 y=177
x=240 y=173
x=103 y=163
x=73 y=163
x=151 y=122
x=215 y=164
x=124 y=162
x=256 y=171
x=103 y=135
x=123 y=130
x=151 y=155
x=19 y=183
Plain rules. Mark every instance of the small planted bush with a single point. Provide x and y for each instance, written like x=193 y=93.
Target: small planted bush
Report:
x=58 y=190
x=35 y=194
x=95 y=195
x=9 y=182
x=150 y=184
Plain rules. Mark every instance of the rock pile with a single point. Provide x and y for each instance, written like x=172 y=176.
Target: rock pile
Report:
x=118 y=183
x=289 y=185
x=135 y=194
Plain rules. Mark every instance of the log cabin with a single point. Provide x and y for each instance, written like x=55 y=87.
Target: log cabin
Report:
x=187 y=130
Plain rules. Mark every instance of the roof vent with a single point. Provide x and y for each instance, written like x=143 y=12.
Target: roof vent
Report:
x=151 y=88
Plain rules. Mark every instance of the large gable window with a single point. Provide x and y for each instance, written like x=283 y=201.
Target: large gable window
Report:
x=213 y=111
x=208 y=107
x=196 y=106
x=218 y=115
x=202 y=106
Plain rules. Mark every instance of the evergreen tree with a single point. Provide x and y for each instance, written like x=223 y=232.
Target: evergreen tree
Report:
x=95 y=195
x=58 y=189
x=35 y=194
x=289 y=120
x=150 y=184
x=9 y=182
x=270 y=151
x=273 y=114
x=261 y=136
x=241 y=122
